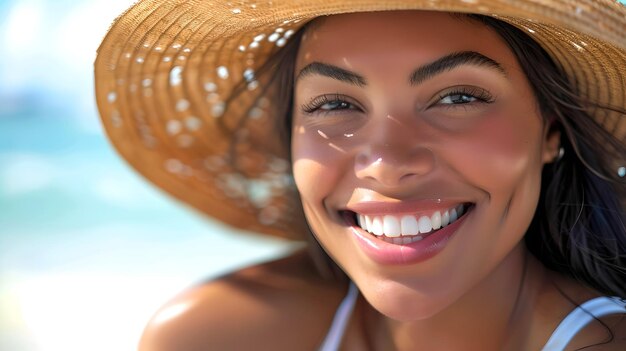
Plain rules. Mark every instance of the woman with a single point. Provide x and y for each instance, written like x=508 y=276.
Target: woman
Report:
x=462 y=170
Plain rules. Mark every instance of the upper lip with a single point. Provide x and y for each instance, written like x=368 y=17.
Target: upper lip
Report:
x=415 y=207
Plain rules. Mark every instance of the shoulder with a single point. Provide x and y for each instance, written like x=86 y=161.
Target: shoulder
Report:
x=609 y=335
x=605 y=332
x=279 y=305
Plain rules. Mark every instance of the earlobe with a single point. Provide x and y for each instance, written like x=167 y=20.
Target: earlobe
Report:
x=552 y=145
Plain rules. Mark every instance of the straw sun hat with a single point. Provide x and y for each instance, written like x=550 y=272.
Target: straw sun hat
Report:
x=166 y=69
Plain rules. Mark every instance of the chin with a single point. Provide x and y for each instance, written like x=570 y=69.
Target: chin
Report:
x=403 y=303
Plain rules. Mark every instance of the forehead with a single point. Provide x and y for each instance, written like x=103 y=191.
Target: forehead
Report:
x=412 y=36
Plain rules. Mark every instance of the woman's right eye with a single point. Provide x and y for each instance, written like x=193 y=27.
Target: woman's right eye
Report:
x=336 y=105
x=326 y=104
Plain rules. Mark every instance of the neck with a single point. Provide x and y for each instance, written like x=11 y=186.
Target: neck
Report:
x=489 y=316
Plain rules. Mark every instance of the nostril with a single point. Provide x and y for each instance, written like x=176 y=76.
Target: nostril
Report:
x=407 y=177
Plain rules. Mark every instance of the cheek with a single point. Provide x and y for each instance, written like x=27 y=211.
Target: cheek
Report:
x=502 y=153
x=502 y=158
x=317 y=165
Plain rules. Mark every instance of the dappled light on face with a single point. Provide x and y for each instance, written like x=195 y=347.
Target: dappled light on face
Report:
x=322 y=134
x=334 y=146
x=390 y=117
x=346 y=62
x=337 y=148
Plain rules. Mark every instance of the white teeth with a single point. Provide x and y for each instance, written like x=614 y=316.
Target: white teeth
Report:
x=436 y=220
x=445 y=219
x=425 y=225
x=405 y=229
x=377 y=226
x=391 y=226
x=409 y=225
x=405 y=240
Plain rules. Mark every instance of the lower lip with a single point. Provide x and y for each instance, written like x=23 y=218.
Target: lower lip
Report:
x=386 y=253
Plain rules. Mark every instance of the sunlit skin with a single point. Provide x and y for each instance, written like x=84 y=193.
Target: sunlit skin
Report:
x=370 y=125
x=390 y=141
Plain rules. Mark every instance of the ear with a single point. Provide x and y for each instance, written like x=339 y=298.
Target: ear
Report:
x=551 y=143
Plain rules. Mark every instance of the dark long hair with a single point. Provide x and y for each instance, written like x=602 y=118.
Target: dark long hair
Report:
x=579 y=225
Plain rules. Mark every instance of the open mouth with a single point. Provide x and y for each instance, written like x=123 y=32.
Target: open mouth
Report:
x=406 y=228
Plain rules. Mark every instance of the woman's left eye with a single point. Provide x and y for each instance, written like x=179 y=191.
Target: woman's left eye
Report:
x=464 y=95
x=457 y=99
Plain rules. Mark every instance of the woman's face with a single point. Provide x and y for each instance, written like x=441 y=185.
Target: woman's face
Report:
x=417 y=150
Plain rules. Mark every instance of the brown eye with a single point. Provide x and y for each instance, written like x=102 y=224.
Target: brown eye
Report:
x=463 y=95
x=327 y=104
x=456 y=99
x=336 y=105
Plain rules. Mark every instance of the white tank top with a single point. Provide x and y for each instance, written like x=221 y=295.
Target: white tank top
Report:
x=562 y=335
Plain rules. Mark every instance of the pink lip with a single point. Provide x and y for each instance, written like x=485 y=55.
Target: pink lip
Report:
x=415 y=207
x=386 y=253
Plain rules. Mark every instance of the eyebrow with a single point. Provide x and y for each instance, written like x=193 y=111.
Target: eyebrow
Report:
x=333 y=72
x=421 y=74
x=451 y=61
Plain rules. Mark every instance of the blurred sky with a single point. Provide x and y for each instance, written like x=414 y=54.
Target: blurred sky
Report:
x=88 y=250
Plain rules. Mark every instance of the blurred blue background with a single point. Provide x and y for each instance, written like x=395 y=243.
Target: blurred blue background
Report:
x=88 y=250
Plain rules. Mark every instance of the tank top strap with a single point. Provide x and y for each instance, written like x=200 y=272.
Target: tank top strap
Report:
x=580 y=317
x=340 y=320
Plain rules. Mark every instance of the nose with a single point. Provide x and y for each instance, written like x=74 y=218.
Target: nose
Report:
x=393 y=158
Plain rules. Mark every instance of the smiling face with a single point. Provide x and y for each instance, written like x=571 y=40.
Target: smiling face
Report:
x=417 y=148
